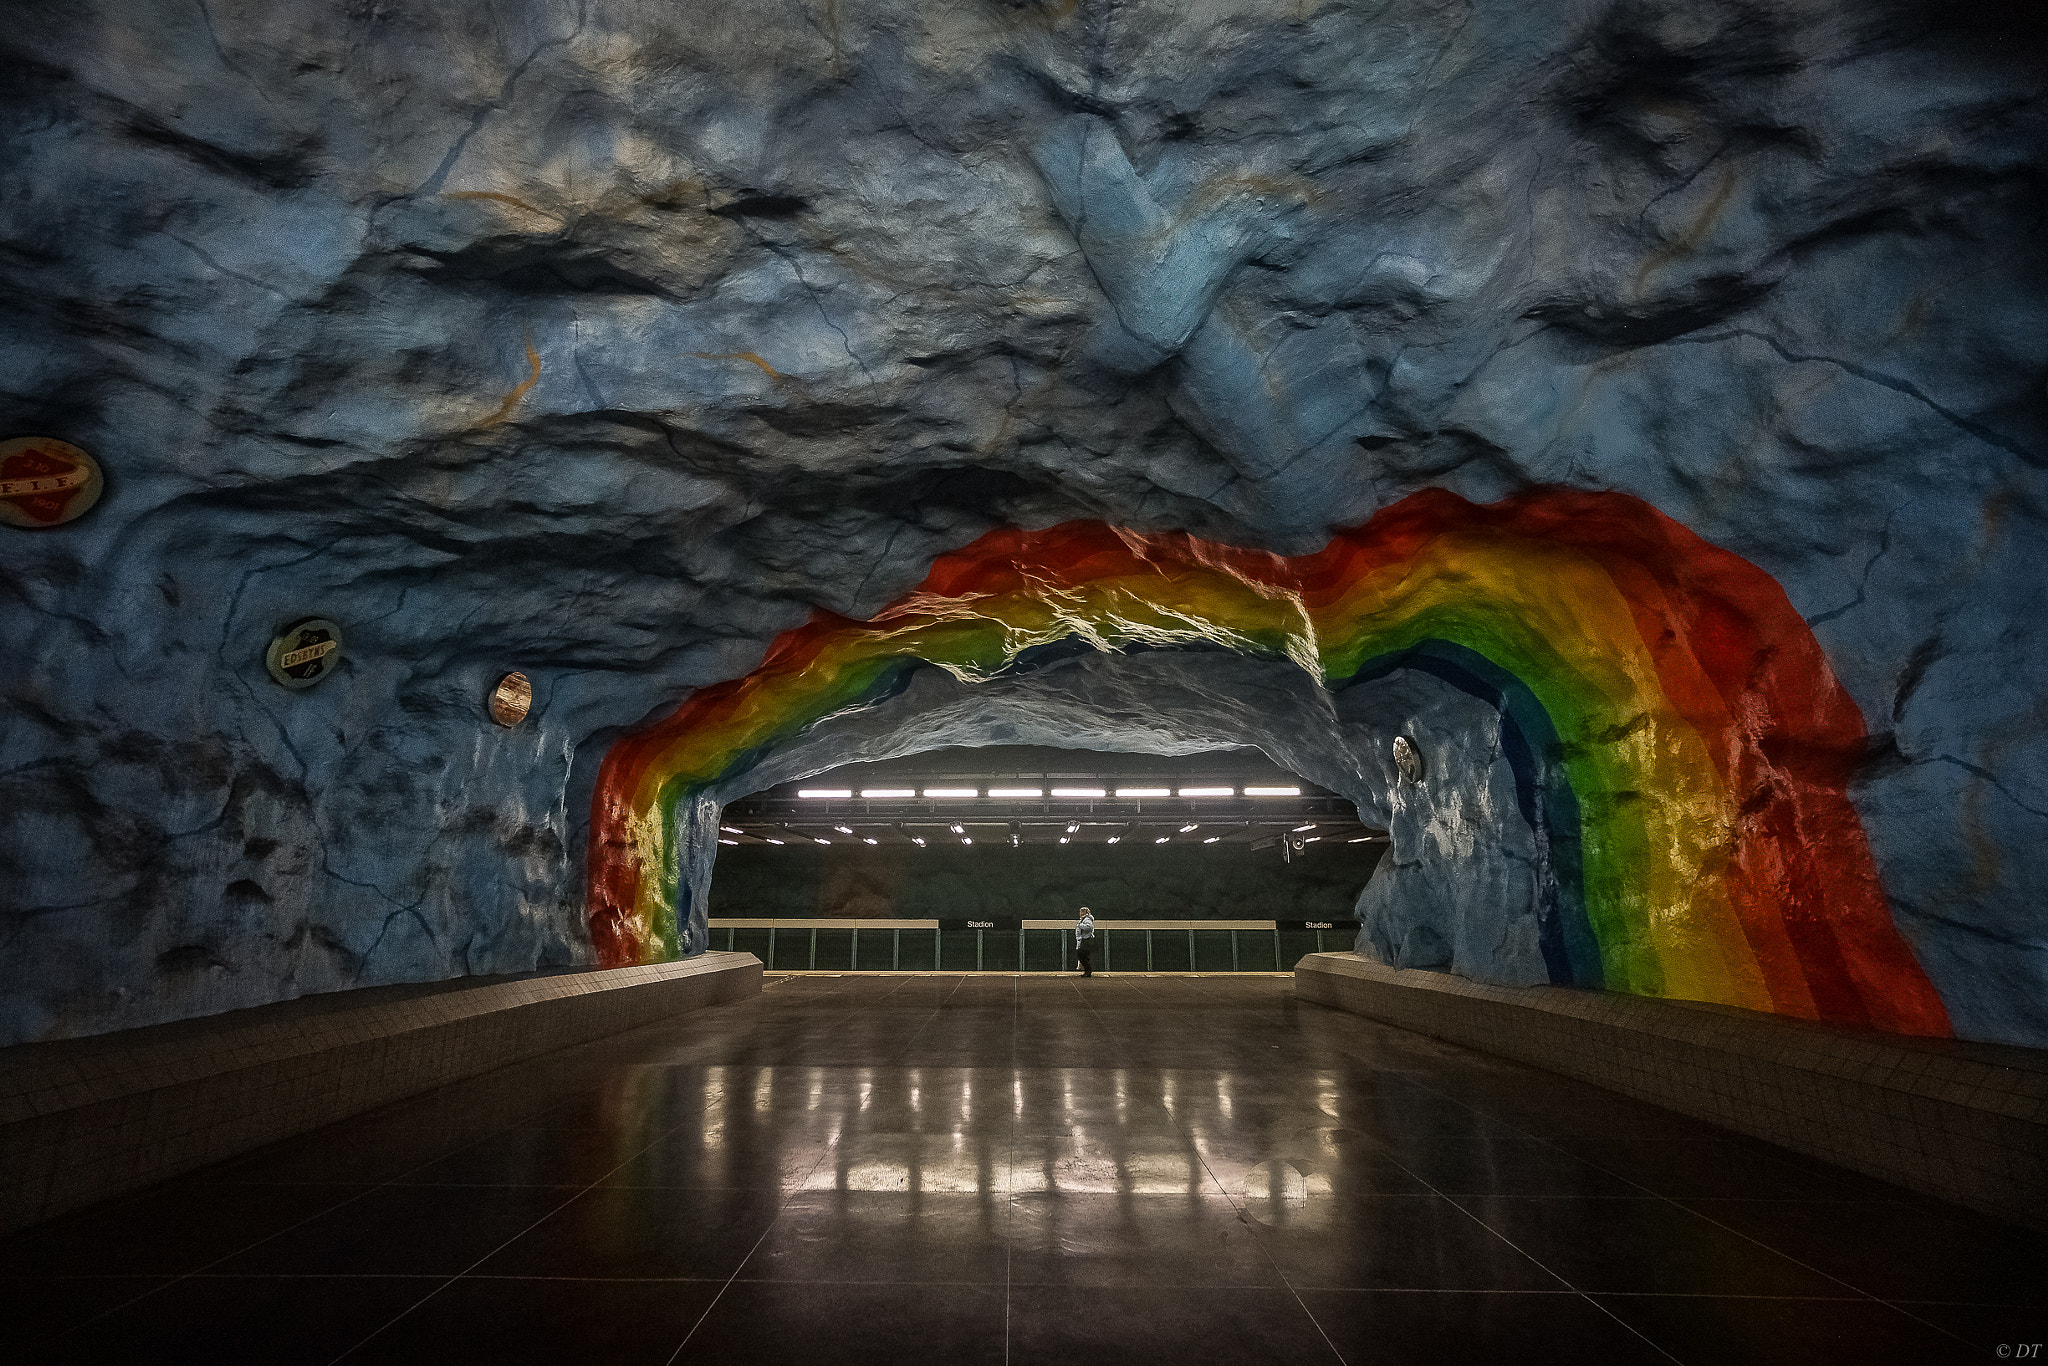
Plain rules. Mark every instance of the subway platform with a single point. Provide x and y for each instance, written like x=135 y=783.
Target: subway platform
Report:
x=1021 y=1169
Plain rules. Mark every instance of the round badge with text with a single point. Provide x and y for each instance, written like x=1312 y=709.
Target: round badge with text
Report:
x=511 y=699
x=45 y=482
x=304 y=652
x=1407 y=758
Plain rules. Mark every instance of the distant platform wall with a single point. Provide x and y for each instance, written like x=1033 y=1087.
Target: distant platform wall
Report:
x=1959 y=1121
x=82 y=1120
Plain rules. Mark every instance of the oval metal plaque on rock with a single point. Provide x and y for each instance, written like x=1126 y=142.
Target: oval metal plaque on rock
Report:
x=304 y=653
x=1407 y=758
x=45 y=482
x=511 y=699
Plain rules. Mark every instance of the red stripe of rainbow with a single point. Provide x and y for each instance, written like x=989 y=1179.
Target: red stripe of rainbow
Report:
x=1686 y=717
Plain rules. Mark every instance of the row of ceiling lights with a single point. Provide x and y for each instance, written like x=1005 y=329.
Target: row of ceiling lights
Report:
x=883 y=793
x=1072 y=830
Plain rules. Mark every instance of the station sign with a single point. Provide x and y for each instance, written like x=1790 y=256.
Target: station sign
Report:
x=993 y=922
x=1315 y=924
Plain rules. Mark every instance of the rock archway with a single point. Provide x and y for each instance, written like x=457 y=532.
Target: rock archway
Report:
x=1642 y=786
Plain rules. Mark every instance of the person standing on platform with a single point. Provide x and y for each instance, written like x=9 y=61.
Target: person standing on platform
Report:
x=1084 y=942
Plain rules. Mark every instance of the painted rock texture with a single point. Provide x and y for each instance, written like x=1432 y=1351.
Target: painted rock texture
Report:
x=607 y=341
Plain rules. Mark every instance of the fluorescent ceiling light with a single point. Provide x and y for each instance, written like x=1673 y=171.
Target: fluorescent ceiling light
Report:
x=1208 y=792
x=774 y=841
x=1079 y=792
x=1272 y=792
x=1143 y=792
x=1074 y=828
x=959 y=829
x=1065 y=838
x=1311 y=839
x=814 y=837
x=1016 y=792
x=728 y=841
x=916 y=841
x=1363 y=839
x=865 y=840
x=1162 y=839
x=730 y=830
x=888 y=792
x=1212 y=839
x=848 y=830
x=965 y=840
x=824 y=793
x=1297 y=829
x=1114 y=838
x=952 y=792
x=1185 y=828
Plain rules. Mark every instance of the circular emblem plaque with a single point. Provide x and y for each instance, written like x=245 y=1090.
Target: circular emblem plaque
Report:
x=45 y=483
x=306 y=652
x=511 y=699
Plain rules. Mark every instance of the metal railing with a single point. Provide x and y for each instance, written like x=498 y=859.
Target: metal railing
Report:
x=847 y=945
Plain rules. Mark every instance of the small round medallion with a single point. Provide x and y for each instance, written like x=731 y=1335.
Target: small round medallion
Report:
x=45 y=482
x=304 y=653
x=511 y=699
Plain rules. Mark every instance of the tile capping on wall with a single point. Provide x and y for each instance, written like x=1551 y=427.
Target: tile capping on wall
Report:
x=83 y=1120
x=1962 y=1122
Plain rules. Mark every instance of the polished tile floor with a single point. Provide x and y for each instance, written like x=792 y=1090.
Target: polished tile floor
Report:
x=1039 y=1169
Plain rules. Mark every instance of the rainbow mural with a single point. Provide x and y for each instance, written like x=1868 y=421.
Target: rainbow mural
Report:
x=1677 y=736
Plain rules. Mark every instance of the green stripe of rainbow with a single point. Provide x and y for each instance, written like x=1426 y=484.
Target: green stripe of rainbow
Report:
x=1668 y=684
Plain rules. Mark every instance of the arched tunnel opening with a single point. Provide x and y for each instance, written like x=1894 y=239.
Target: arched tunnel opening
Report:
x=1607 y=754
x=979 y=859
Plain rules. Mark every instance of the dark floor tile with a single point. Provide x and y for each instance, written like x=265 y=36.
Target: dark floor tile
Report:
x=533 y=1156
x=1399 y=1327
x=735 y=1154
x=1390 y=1242
x=1118 y=1325
x=1648 y=1246
x=869 y=1236
x=2023 y=1332
x=643 y=1100
x=544 y=1322
x=615 y=1231
x=1415 y=1120
x=1547 y=1106
x=1494 y=1165
x=37 y=1307
x=1704 y=1330
x=777 y=1323
x=1717 y=1168
x=367 y=1155
x=1899 y=1250
x=1158 y=1240
x=173 y=1229
x=404 y=1230
x=235 y=1319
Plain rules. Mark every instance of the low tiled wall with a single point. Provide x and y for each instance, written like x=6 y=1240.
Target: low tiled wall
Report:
x=1959 y=1121
x=85 y=1119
